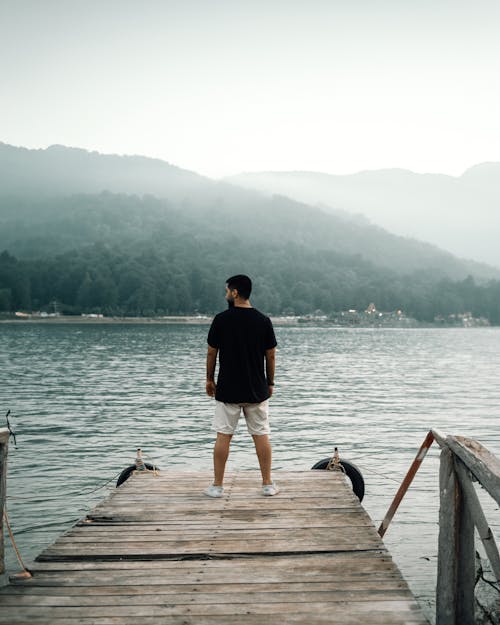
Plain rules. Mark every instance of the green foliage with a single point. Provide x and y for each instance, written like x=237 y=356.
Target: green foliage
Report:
x=124 y=255
x=111 y=281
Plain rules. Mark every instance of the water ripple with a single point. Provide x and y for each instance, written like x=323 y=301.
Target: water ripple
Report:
x=83 y=397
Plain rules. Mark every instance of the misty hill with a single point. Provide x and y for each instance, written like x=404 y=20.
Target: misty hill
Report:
x=124 y=253
x=59 y=170
x=461 y=215
x=120 y=254
x=37 y=213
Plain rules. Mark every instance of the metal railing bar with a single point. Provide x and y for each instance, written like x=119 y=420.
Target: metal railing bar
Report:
x=405 y=484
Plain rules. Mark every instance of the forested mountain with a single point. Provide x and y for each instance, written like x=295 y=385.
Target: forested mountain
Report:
x=120 y=253
x=460 y=214
x=40 y=190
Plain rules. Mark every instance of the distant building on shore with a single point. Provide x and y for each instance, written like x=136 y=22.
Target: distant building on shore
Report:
x=464 y=320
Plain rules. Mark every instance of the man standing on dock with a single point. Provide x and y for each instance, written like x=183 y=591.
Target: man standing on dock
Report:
x=244 y=340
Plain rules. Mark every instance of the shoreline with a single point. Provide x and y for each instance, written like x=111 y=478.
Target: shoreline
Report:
x=68 y=319
x=206 y=320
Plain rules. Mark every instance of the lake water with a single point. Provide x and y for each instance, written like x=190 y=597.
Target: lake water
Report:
x=84 y=397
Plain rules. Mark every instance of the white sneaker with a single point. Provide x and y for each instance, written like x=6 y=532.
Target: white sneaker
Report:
x=268 y=490
x=214 y=491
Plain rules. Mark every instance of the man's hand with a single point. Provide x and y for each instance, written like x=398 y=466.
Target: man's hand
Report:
x=211 y=360
x=270 y=364
x=211 y=388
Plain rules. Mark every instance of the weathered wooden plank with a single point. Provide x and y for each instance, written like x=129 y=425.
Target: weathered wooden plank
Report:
x=219 y=609
x=301 y=557
x=236 y=518
x=194 y=515
x=323 y=520
x=154 y=510
x=257 y=498
x=234 y=597
x=202 y=475
x=235 y=494
x=201 y=548
x=328 y=481
x=171 y=516
x=240 y=487
x=343 y=533
x=249 y=515
x=344 y=536
x=198 y=579
x=208 y=575
x=240 y=491
x=4 y=447
x=316 y=562
x=197 y=505
x=348 y=618
x=302 y=474
x=141 y=587
x=484 y=465
x=324 y=482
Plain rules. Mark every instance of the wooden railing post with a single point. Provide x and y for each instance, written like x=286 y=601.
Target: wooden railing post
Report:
x=4 y=445
x=460 y=514
x=466 y=562
x=456 y=553
x=447 y=560
x=483 y=529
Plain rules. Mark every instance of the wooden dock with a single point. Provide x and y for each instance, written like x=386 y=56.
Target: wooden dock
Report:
x=159 y=552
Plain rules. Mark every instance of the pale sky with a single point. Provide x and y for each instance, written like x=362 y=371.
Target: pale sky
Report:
x=224 y=86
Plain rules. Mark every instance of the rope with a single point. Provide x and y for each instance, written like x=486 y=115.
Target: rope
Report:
x=66 y=494
x=11 y=431
x=75 y=493
x=93 y=490
x=155 y=466
x=393 y=479
x=25 y=572
x=45 y=526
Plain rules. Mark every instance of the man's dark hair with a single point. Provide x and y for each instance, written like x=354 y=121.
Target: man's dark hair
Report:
x=242 y=284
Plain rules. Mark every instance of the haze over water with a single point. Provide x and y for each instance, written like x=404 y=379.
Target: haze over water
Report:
x=84 y=397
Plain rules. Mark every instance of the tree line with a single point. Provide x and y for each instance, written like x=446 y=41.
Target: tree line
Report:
x=188 y=278
x=124 y=255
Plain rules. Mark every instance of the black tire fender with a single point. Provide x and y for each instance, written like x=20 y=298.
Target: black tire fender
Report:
x=352 y=472
x=126 y=473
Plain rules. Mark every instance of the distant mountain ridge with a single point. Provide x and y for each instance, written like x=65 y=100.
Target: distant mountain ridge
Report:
x=137 y=236
x=59 y=170
x=461 y=215
x=40 y=189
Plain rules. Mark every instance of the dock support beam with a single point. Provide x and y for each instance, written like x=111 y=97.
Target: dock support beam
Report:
x=4 y=445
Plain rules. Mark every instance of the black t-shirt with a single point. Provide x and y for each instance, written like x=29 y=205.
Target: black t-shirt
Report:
x=242 y=336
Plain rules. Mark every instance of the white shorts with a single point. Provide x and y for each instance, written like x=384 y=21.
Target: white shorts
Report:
x=256 y=415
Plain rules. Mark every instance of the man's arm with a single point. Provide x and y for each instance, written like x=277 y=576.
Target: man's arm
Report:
x=270 y=363
x=211 y=361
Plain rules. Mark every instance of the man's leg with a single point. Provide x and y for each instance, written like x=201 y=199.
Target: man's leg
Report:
x=264 y=454
x=225 y=421
x=221 y=453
